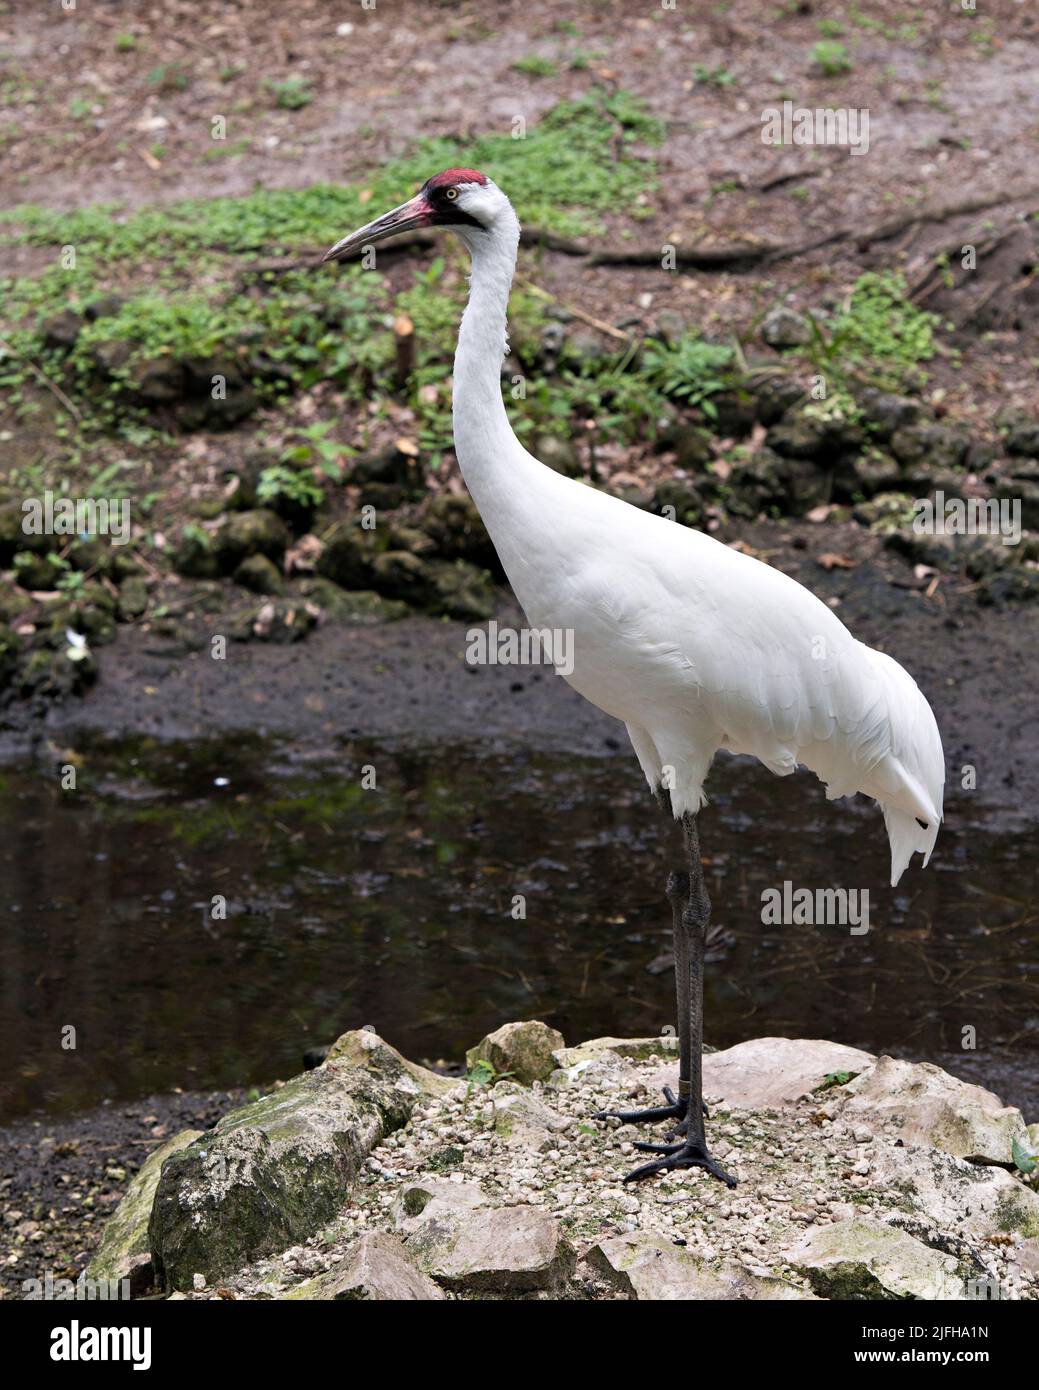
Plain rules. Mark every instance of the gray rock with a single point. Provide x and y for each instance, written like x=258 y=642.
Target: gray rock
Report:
x=936 y=445
x=376 y=1270
x=429 y=1210
x=347 y=557
x=679 y=501
x=522 y=1050
x=926 y=1106
x=1022 y=434
x=693 y=445
x=637 y=1049
x=772 y=1073
x=259 y=532
x=558 y=454
x=978 y=1201
x=361 y=608
x=503 y=1251
x=522 y=1121
x=157 y=380
x=785 y=328
x=886 y=413
x=124 y=1252
x=62 y=330
x=460 y=590
x=363 y=1050
x=874 y=472
x=457 y=531
x=650 y=1268
x=258 y=573
x=864 y=1259
x=133 y=599
x=271 y=1174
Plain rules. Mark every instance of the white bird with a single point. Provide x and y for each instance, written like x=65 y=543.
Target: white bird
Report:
x=694 y=645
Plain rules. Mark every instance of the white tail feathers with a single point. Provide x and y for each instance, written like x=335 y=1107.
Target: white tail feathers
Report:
x=908 y=837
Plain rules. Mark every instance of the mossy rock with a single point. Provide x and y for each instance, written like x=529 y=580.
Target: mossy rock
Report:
x=524 y=1051
x=124 y=1252
x=259 y=532
x=273 y=1173
x=362 y=608
x=348 y=557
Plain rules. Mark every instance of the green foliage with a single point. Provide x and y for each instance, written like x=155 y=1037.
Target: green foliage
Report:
x=690 y=370
x=535 y=66
x=713 y=77
x=278 y=481
x=1025 y=1160
x=834 y=1078
x=881 y=323
x=291 y=94
x=314 y=448
x=831 y=58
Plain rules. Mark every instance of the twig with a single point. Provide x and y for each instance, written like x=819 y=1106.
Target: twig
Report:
x=589 y=319
x=41 y=375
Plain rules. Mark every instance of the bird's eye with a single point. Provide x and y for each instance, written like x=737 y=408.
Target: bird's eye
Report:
x=451 y=193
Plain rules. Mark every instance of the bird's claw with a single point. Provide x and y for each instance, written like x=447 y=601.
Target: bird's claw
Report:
x=675 y=1109
x=685 y=1155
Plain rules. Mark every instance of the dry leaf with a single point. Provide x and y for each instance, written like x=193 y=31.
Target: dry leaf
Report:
x=830 y=560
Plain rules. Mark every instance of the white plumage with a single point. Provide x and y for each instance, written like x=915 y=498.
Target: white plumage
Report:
x=695 y=646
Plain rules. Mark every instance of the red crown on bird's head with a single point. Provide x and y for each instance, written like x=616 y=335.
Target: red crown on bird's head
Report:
x=452 y=176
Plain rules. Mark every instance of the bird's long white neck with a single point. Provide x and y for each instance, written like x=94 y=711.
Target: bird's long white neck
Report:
x=489 y=454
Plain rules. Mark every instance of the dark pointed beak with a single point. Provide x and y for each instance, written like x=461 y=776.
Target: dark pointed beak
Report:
x=416 y=213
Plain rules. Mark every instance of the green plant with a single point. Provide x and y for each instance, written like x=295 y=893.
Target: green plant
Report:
x=293 y=93
x=1025 y=1159
x=690 y=370
x=170 y=77
x=535 y=66
x=278 y=481
x=831 y=58
x=124 y=43
x=713 y=77
x=313 y=447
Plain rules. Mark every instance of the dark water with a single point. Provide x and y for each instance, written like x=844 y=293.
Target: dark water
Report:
x=392 y=907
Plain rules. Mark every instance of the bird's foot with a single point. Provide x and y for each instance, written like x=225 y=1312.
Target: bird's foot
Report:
x=677 y=1108
x=689 y=1154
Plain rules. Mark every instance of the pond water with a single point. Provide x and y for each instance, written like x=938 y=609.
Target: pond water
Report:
x=392 y=906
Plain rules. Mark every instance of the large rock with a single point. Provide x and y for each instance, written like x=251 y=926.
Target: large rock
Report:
x=648 y=1267
x=864 y=1259
x=975 y=1200
x=124 y=1252
x=926 y=1106
x=271 y=1174
x=465 y=1243
x=363 y=1050
x=377 y=1270
x=259 y=532
x=636 y=1049
x=771 y=1073
x=523 y=1051
x=503 y=1251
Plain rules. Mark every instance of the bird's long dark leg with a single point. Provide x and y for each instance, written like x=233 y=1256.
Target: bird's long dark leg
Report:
x=675 y=1109
x=692 y=1152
